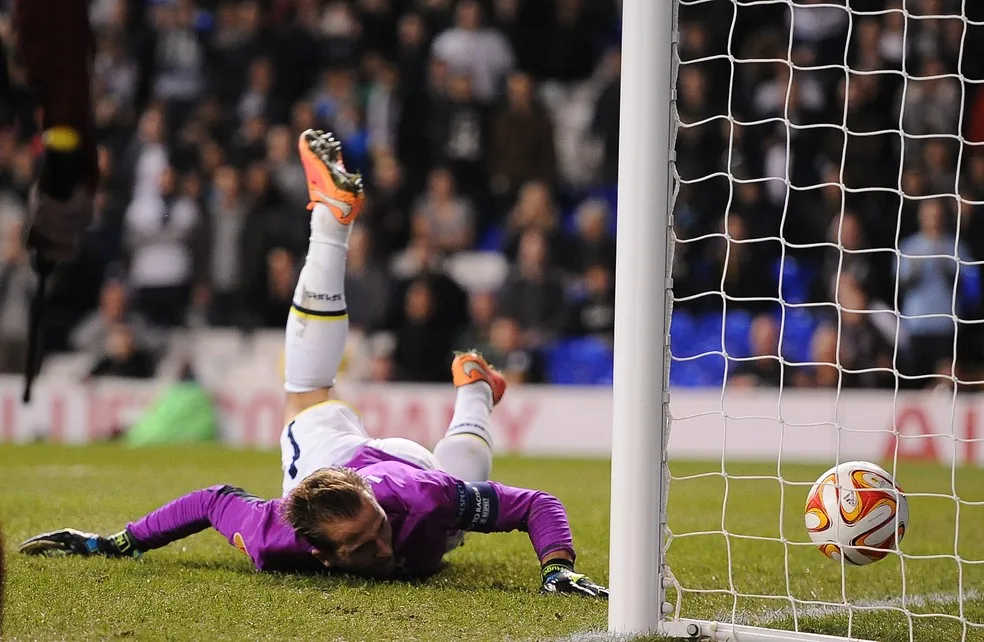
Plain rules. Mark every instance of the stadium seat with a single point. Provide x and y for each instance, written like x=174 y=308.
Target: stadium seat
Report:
x=709 y=333
x=737 y=329
x=683 y=334
x=492 y=239
x=796 y=279
x=797 y=336
x=703 y=372
x=970 y=289
x=580 y=362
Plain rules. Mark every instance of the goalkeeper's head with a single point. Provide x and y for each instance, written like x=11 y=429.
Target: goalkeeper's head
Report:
x=335 y=509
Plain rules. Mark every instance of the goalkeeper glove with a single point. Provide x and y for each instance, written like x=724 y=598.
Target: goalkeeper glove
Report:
x=69 y=541
x=558 y=576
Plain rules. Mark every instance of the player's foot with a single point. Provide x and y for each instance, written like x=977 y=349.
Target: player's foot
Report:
x=329 y=183
x=69 y=541
x=471 y=367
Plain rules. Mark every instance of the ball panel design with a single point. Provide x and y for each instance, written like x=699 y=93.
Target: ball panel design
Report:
x=856 y=511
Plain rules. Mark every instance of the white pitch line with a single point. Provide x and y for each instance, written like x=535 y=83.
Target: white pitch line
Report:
x=821 y=610
x=807 y=611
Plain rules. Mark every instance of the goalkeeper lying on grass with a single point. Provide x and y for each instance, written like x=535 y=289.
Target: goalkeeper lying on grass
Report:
x=375 y=507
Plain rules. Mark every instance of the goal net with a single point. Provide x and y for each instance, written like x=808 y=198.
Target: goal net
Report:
x=827 y=232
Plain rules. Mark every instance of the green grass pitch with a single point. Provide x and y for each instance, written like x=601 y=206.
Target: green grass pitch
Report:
x=204 y=589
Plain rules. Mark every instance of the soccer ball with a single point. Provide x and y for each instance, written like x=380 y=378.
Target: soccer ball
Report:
x=856 y=510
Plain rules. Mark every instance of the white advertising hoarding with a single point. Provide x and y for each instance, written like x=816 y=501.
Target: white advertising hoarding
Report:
x=799 y=425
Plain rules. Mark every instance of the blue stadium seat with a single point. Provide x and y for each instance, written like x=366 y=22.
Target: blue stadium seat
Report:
x=709 y=333
x=796 y=279
x=797 y=335
x=737 y=329
x=703 y=372
x=580 y=362
x=492 y=239
x=683 y=334
x=970 y=289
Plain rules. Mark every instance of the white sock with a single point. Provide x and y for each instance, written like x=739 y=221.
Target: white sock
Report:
x=318 y=323
x=466 y=450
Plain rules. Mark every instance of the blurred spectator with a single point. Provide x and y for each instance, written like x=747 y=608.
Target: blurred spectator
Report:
x=269 y=218
x=764 y=367
x=146 y=158
x=595 y=245
x=594 y=315
x=159 y=231
x=477 y=334
x=17 y=282
x=420 y=262
x=927 y=273
x=387 y=217
x=457 y=133
x=334 y=101
x=279 y=292
x=510 y=352
x=286 y=171
x=368 y=288
x=533 y=294
x=249 y=142
x=423 y=347
x=605 y=122
x=824 y=373
x=94 y=334
x=115 y=72
x=224 y=240
x=178 y=58
x=931 y=105
x=382 y=110
x=411 y=51
x=535 y=210
x=522 y=143
x=473 y=49
x=740 y=267
x=567 y=49
x=848 y=257
x=122 y=358
x=443 y=216
x=940 y=166
x=258 y=98
x=865 y=354
x=341 y=30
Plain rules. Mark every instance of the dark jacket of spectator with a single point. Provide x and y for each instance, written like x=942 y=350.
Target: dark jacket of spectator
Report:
x=521 y=140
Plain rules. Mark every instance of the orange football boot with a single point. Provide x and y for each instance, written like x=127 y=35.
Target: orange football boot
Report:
x=329 y=183
x=471 y=367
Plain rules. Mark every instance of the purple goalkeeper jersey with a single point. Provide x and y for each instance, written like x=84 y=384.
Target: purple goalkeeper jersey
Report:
x=425 y=508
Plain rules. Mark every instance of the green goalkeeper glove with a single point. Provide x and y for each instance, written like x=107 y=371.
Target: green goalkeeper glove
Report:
x=558 y=576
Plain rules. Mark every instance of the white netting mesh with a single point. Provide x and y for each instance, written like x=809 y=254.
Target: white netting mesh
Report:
x=828 y=237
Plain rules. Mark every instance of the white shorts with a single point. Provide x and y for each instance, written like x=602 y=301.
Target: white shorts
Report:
x=329 y=434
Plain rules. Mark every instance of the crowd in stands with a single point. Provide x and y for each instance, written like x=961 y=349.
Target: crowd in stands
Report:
x=832 y=159
x=487 y=132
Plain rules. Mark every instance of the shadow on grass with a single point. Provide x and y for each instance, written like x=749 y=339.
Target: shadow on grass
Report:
x=460 y=577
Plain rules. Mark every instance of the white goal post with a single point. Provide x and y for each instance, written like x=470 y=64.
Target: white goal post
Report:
x=935 y=577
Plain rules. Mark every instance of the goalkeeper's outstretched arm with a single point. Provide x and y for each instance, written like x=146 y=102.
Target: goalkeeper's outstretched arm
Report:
x=249 y=523
x=494 y=507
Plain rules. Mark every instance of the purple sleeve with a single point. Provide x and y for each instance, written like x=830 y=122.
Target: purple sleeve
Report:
x=538 y=513
x=224 y=508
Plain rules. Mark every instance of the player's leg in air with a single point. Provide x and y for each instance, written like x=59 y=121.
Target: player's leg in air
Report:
x=320 y=431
